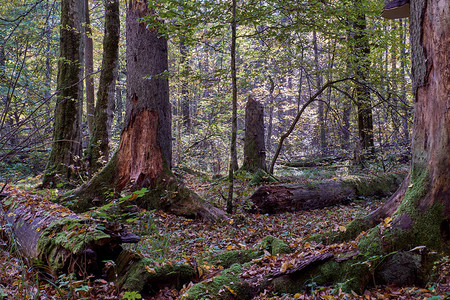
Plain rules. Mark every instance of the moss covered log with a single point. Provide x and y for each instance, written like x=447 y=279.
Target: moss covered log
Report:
x=133 y=272
x=55 y=237
x=294 y=197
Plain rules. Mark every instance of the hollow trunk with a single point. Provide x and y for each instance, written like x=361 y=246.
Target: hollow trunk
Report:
x=254 y=149
x=98 y=151
x=66 y=146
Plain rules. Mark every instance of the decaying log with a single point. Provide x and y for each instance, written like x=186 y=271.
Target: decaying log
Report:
x=295 y=197
x=55 y=237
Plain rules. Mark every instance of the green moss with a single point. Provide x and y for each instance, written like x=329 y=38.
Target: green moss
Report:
x=262 y=176
x=228 y=258
x=145 y=277
x=65 y=240
x=352 y=274
x=274 y=245
x=227 y=285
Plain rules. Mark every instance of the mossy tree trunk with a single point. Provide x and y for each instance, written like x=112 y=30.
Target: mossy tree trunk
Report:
x=359 y=63
x=254 y=147
x=233 y=151
x=420 y=209
x=89 y=70
x=66 y=147
x=144 y=157
x=98 y=151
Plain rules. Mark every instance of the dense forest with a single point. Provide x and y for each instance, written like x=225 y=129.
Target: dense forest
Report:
x=235 y=149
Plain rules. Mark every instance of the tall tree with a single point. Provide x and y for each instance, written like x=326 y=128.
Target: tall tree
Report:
x=89 y=69
x=233 y=152
x=185 y=107
x=66 y=145
x=98 y=151
x=360 y=50
x=144 y=157
x=322 y=134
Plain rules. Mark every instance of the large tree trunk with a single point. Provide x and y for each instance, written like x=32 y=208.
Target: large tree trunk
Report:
x=60 y=239
x=295 y=197
x=66 y=147
x=254 y=149
x=144 y=157
x=98 y=151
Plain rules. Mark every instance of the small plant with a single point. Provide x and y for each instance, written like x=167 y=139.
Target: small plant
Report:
x=131 y=295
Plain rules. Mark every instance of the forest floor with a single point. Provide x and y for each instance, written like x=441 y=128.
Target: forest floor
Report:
x=170 y=239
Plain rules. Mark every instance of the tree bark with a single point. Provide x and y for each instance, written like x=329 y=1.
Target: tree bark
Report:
x=89 y=70
x=66 y=147
x=98 y=152
x=360 y=66
x=185 y=107
x=233 y=151
x=144 y=157
x=254 y=149
x=293 y=197
x=322 y=133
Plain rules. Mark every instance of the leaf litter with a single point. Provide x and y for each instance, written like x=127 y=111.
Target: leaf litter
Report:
x=172 y=239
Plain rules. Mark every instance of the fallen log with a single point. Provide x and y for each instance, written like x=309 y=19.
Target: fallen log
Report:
x=295 y=197
x=58 y=239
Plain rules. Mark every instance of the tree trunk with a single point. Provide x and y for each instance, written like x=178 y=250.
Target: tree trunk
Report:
x=185 y=107
x=66 y=147
x=405 y=107
x=58 y=238
x=233 y=151
x=89 y=70
x=98 y=151
x=322 y=133
x=254 y=149
x=360 y=66
x=144 y=157
x=293 y=197
x=270 y=122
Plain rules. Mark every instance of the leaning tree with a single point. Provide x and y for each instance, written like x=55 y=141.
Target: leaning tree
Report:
x=144 y=157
